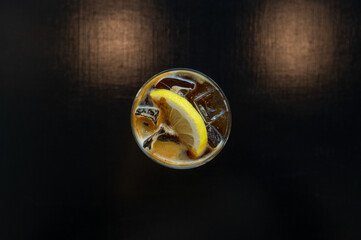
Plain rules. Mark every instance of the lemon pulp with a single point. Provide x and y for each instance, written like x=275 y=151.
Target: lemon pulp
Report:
x=184 y=119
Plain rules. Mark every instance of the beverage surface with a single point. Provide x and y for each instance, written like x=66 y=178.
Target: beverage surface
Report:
x=158 y=134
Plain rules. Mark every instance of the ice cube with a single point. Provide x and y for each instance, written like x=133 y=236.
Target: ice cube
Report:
x=148 y=112
x=168 y=138
x=164 y=134
x=169 y=82
x=149 y=141
x=214 y=137
x=147 y=101
x=179 y=85
x=181 y=91
x=210 y=105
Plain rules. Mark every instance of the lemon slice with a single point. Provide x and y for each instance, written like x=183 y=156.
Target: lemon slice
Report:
x=184 y=119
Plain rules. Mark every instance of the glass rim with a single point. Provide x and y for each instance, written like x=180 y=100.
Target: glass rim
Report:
x=204 y=160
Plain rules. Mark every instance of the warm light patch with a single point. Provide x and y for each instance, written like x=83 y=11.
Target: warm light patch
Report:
x=294 y=39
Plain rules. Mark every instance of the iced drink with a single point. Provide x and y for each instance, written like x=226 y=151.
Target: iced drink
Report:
x=180 y=118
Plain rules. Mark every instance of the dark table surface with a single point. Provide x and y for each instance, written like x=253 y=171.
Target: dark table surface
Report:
x=70 y=168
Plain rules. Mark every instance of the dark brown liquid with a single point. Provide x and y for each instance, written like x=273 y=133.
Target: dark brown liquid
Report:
x=205 y=98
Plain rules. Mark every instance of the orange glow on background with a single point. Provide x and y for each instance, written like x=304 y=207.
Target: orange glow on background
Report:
x=294 y=39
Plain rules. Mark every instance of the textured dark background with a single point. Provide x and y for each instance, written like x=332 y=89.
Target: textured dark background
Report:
x=70 y=168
